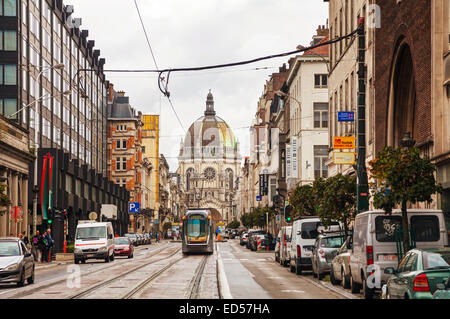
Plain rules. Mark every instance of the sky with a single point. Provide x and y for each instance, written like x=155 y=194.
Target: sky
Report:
x=197 y=33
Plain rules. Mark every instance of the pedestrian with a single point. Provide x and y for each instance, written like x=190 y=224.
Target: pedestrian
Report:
x=36 y=249
x=44 y=247
x=25 y=238
x=49 y=245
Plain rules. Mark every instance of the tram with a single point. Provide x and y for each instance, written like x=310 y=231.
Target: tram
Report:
x=197 y=232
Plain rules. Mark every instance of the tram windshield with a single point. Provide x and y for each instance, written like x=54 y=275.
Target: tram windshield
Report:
x=196 y=226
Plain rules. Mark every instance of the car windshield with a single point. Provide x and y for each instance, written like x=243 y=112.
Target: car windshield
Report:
x=10 y=248
x=121 y=241
x=91 y=232
x=332 y=242
x=436 y=260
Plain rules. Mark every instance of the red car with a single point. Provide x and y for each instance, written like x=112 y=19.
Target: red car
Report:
x=123 y=247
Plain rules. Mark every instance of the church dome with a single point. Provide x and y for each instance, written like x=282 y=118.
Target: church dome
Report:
x=209 y=136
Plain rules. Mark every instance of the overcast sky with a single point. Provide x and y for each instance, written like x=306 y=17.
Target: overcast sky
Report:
x=197 y=33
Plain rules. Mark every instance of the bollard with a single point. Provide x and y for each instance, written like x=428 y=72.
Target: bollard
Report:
x=218 y=236
x=65 y=246
x=259 y=244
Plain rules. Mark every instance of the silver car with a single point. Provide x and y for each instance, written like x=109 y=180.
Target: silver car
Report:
x=325 y=249
x=340 y=265
x=16 y=262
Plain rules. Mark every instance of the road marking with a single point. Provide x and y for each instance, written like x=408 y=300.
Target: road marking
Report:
x=296 y=291
x=274 y=277
x=223 y=282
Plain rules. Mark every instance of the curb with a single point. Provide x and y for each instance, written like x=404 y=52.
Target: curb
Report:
x=49 y=266
x=222 y=282
x=329 y=286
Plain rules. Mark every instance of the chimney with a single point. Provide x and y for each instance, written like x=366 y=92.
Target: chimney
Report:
x=111 y=92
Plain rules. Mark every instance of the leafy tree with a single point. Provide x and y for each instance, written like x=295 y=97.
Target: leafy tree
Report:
x=338 y=202
x=234 y=224
x=4 y=199
x=303 y=201
x=402 y=176
x=246 y=220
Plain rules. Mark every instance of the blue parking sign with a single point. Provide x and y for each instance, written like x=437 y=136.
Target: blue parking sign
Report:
x=133 y=207
x=346 y=116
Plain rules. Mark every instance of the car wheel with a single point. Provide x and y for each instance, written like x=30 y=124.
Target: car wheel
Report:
x=291 y=268
x=298 y=269
x=76 y=261
x=111 y=258
x=31 y=279
x=332 y=278
x=22 y=278
x=107 y=260
x=354 y=286
x=83 y=261
x=345 y=280
x=367 y=292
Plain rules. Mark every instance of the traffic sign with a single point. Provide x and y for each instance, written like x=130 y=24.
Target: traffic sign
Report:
x=133 y=207
x=346 y=116
x=258 y=198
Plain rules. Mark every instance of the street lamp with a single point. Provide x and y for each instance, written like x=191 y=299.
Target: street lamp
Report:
x=407 y=141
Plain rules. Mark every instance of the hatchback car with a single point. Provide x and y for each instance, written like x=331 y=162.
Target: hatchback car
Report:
x=340 y=265
x=16 y=262
x=243 y=239
x=325 y=249
x=418 y=274
x=123 y=247
x=133 y=238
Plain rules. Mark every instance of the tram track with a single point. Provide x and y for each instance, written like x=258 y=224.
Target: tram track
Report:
x=194 y=286
x=24 y=293
x=105 y=283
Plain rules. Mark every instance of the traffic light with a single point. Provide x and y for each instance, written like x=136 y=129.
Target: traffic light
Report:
x=288 y=213
x=50 y=216
x=65 y=213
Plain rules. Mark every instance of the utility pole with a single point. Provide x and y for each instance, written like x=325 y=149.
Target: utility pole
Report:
x=362 y=181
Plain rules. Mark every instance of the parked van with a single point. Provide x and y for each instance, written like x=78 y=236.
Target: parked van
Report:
x=94 y=240
x=285 y=245
x=374 y=242
x=304 y=233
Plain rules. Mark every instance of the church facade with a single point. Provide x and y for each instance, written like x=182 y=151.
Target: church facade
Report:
x=209 y=165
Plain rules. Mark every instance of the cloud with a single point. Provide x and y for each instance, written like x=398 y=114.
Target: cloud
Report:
x=194 y=33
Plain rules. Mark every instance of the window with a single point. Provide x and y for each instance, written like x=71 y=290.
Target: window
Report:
x=78 y=187
x=8 y=107
x=410 y=265
x=320 y=81
x=8 y=40
x=320 y=115
x=57 y=135
x=8 y=8
x=124 y=163
x=66 y=141
x=8 y=74
x=426 y=228
x=320 y=158
x=385 y=227
x=118 y=164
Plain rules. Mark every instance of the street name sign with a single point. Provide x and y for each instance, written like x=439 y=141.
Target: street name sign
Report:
x=258 y=198
x=346 y=116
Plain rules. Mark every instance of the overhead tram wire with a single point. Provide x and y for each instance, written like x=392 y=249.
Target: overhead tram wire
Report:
x=161 y=72
x=156 y=65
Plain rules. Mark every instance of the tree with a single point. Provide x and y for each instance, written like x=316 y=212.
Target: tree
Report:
x=303 y=201
x=402 y=176
x=338 y=202
x=247 y=220
x=4 y=199
x=234 y=224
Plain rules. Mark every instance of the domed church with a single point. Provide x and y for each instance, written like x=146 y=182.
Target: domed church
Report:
x=209 y=164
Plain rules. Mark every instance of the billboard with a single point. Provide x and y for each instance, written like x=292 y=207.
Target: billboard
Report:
x=344 y=158
x=344 y=142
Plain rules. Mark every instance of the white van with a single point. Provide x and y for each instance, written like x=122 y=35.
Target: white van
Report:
x=374 y=242
x=94 y=240
x=304 y=233
x=285 y=245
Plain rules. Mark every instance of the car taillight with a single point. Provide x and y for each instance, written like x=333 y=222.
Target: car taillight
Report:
x=369 y=252
x=299 y=251
x=421 y=283
x=284 y=240
x=322 y=253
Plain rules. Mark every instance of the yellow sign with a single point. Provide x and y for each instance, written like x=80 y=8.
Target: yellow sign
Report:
x=344 y=142
x=341 y=158
x=220 y=224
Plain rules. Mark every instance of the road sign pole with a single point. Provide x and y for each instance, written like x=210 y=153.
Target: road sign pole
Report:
x=362 y=183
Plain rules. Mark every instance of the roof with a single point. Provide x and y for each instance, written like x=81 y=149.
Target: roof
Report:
x=323 y=50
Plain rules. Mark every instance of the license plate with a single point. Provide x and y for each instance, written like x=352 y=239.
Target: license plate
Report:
x=388 y=258
x=90 y=255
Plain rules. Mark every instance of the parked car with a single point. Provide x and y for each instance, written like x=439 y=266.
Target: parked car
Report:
x=243 y=239
x=285 y=245
x=123 y=247
x=340 y=265
x=233 y=234
x=251 y=233
x=304 y=233
x=133 y=238
x=325 y=249
x=418 y=274
x=278 y=247
x=149 y=238
x=16 y=262
x=254 y=243
x=374 y=242
x=140 y=239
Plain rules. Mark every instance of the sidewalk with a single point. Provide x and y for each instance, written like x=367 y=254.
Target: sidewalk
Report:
x=39 y=265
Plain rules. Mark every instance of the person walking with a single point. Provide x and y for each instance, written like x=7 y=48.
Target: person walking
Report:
x=36 y=246
x=49 y=245
x=44 y=247
x=25 y=238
